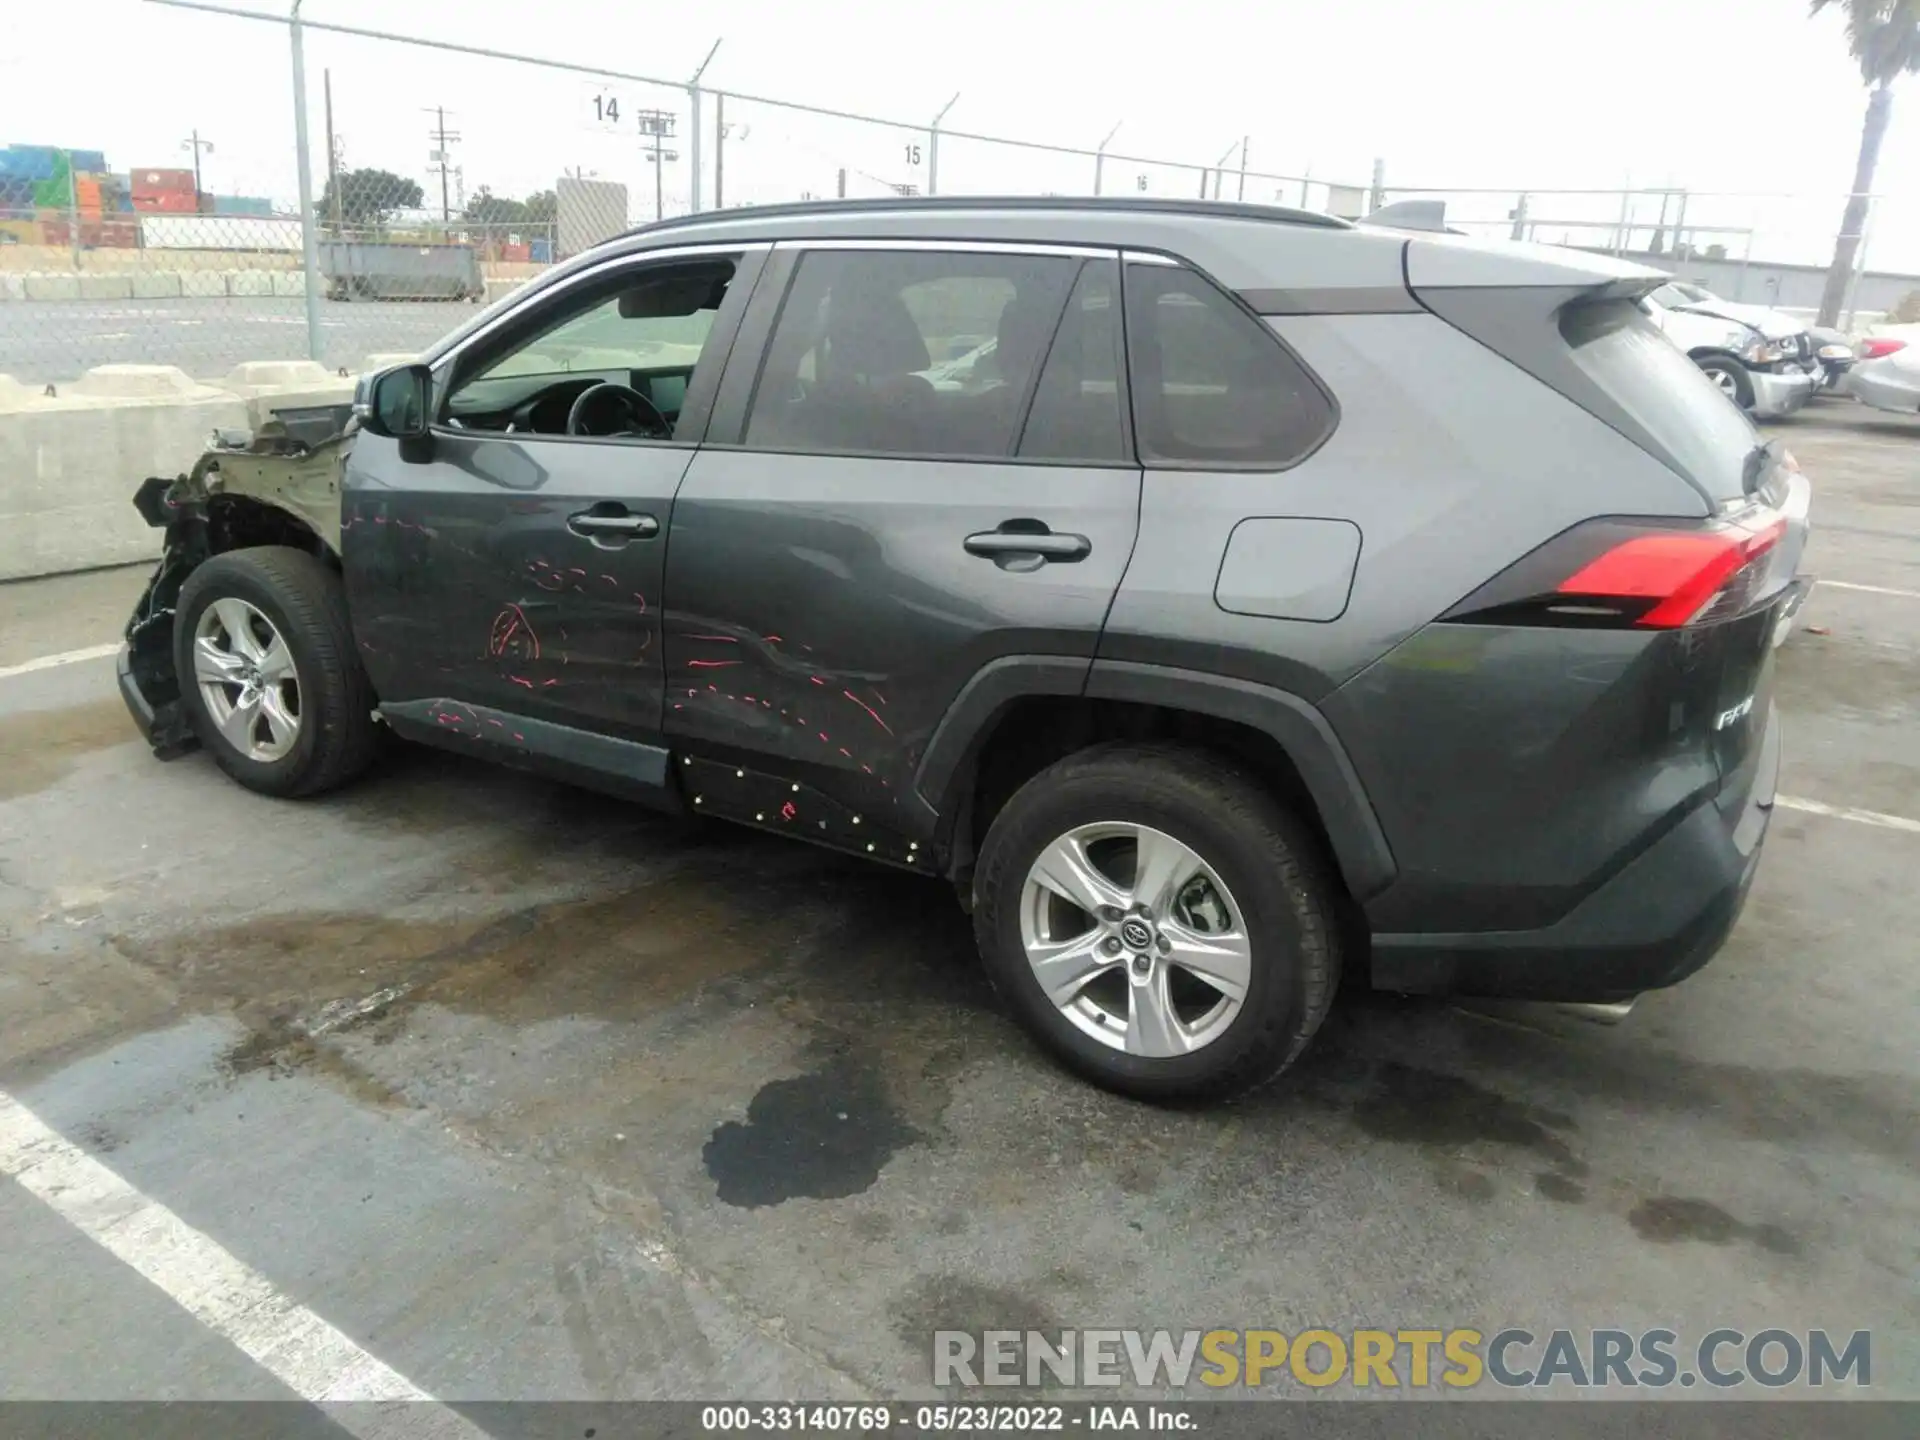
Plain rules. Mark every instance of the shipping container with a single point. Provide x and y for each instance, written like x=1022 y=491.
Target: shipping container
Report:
x=242 y=205
x=87 y=162
x=29 y=162
x=167 y=203
x=518 y=253
x=387 y=270
x=541 y=252
x=163 y=182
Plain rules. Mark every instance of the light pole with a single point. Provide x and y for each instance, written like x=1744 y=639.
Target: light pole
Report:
x=933 y=146
x=693 y=135
x=657 y=127
x=1100 y=156
x=196 y=145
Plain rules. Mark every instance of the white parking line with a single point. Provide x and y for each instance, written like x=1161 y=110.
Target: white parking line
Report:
x=362 y=1393
x=1848 y=812
x=1867 y=589
x=54 y=662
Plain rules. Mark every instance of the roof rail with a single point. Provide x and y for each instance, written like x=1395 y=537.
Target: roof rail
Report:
x=935 y=204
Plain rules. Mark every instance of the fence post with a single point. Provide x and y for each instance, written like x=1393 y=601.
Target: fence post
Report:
x=1243 y=168
x=1377 y=196
x=309 y=251
x=1100 y=156
x=933 y=146
x=693 y=124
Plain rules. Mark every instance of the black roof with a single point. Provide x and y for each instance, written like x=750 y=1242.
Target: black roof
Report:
x=936 y=204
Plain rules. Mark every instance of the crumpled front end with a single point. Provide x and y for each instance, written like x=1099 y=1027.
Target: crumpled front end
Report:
x=276 y=486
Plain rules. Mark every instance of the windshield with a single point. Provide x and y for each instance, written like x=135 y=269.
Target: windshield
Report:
x=1648 y=376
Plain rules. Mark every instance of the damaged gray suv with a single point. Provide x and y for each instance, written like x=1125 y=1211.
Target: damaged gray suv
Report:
x=1227 y=601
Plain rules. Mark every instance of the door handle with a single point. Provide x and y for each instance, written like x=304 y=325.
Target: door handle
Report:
x=1044 y=543
x=594 y=524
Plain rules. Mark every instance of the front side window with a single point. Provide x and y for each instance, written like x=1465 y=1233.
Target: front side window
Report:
x=640 y=333
x=910 y=352
x=1212 y=385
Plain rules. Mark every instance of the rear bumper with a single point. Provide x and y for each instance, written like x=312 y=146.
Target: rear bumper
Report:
x=1656 y=921
x=1781 y=392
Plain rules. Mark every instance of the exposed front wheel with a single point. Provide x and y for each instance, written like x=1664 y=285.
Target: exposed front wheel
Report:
x=1159 y=921
x=268 y=672
x=1731 y=377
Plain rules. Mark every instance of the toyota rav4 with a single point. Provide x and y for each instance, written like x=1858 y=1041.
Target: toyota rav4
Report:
x=1274 y=602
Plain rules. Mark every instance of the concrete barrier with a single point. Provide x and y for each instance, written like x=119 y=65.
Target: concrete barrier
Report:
x=250 y=282
x=155 y=284
x=288 y=282
x=268 y=385
x=106 y=287
x=500 y=289
x=12 y=286
x=52 y=287
x=203 y=282
x=69 y=465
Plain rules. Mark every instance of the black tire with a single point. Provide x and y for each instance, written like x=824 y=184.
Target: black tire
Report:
x=1717 y=366
x=305 y=601
x=1267 y=858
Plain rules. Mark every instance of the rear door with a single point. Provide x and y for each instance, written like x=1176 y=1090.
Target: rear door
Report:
x=870 y=529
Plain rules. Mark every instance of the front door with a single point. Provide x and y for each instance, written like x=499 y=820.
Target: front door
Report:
x=924 y=470
x=518 y=570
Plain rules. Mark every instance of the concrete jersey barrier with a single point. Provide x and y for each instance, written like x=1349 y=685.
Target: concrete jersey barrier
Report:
x=70 y=461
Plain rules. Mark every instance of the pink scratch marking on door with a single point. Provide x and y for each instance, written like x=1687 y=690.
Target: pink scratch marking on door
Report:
x=710 y=664
x=869 y=709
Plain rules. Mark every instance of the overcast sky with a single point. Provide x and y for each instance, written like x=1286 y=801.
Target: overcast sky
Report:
x=1716 y=95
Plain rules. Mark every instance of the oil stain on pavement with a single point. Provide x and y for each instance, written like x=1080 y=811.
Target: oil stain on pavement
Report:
x=823 y=1135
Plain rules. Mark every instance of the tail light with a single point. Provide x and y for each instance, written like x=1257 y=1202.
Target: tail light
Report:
x=1624 y=574
x=1881 y=348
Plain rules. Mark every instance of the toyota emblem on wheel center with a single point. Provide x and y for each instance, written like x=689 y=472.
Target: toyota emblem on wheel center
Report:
x=1136 y=934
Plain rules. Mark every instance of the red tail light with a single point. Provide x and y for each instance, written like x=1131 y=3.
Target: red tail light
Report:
x=1881 y=348
x=1680 y=572
x=1618 y=573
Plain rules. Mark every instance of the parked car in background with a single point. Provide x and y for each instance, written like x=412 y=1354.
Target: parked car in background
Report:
x=1887 y=375
x=1762 y=360
x=1835 y=353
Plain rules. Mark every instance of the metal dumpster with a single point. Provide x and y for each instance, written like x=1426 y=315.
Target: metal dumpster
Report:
x=399 y=270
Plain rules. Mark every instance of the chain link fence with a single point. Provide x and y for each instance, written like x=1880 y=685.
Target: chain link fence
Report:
x=425 y=191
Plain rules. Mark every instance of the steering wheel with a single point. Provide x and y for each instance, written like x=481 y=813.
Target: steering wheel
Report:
x=616 y=403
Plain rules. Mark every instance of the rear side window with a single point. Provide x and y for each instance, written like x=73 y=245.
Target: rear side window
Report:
x=1625 y=354
x=923 y=353
x=1213 y=388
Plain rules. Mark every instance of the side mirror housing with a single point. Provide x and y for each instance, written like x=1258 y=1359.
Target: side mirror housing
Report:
x=396 y=404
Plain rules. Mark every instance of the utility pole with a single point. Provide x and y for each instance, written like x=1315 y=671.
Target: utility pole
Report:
x=1245 y=140
x=303 y=164
x=657 y=127
x=441 y=157
x=842 y=191
x=333 y=157
x=196 y=145
x=719 y=149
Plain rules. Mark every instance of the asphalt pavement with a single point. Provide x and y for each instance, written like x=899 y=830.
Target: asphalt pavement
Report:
x=529 y=1094
x=47 y=342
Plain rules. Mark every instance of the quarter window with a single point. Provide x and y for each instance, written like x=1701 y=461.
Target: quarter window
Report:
x=1213 y=388
x=930 y=353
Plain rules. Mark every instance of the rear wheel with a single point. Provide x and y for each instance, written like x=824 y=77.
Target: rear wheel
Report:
x=1731 y=377
x=268 y=672
x=1158 y=921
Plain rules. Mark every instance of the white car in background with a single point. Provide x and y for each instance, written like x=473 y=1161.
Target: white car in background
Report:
x=1762 y=360
x=1887 y=375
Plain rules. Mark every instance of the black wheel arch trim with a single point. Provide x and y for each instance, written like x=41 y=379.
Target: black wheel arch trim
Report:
x=1353 y=829
x=1359 y=843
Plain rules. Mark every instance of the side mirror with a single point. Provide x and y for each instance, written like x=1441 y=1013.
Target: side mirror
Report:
x=396 y=404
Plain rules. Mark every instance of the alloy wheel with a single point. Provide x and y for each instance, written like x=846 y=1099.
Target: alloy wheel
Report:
x=247 y=679
x=1135 y=939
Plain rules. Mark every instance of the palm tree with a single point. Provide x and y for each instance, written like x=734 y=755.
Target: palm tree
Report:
x=1884 y=36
